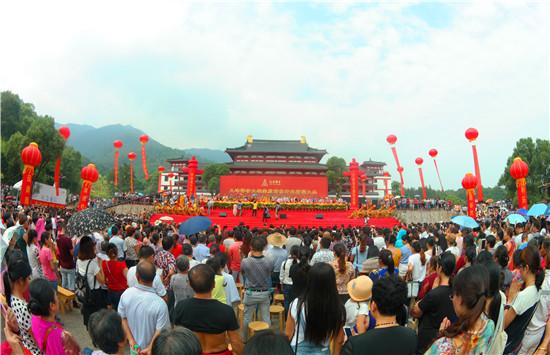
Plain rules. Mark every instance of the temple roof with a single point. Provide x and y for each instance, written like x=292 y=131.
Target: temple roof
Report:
x=372 y=162
x=276 y=146
x=277 y=166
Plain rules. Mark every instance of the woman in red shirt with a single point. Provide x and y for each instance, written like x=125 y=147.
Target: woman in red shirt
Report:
x=115 y=276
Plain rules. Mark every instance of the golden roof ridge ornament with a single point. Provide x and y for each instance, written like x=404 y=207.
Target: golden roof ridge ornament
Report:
x=249 y=139
x=303 y=140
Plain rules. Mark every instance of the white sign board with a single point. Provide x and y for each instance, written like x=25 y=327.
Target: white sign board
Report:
x=43 y=194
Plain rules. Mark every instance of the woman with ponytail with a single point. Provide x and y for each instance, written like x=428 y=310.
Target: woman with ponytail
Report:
x=299 y=271
x=284 y=276
x=33 y=254
x=472 y=332
x=16 y=284
x=344 y=271
x=416 y=271
x=386 y=266
x=502 y=259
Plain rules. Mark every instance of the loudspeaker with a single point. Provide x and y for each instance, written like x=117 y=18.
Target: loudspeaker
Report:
x=223 y=214
x=282 y=216
x=319 y=216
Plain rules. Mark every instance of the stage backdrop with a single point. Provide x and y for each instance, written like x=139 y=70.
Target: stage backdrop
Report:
x=275 y=185
x=45 y=195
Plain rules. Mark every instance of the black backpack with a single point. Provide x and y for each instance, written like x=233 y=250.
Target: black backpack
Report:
x=82 y=288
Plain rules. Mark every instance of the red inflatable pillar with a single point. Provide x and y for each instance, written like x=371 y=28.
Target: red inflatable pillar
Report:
x=160 y=169
x=472 y=134
x=469 y=183
x=192 y=171
x=90 y=175
x=392 y=139
x=419 y=162
x=519 y=171
x=353 y=175
x=31 y=157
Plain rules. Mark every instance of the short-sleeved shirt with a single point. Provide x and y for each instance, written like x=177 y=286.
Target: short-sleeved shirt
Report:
x=525 y=299
x=358 y=257
x=114 y=275
x=157 y=282
x=64 y=246
x=257 y=272
x=382 y=341
x=205 y=316
x=435 y=306
x=342 y=278
x=24 y=318
x=179 y=283
x=278 y=255
x=405 y=254
x=46 y=257
x=119 y=242
x=218 y=293
x=538 y=322
x=419 y=270
x=145 y=311
x=355 y=309
x=165 y=261
x=322 y=256
x=235 y=256
x=55 y=341
x=201 y=252
x=129 y=245
x=93 y=270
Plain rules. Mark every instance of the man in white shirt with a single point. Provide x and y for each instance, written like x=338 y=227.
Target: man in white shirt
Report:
x=118 y=241
x=147 y=254
x=144 y=314
x=379 y=241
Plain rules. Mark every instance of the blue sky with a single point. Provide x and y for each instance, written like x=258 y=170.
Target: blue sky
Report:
x=344 y=74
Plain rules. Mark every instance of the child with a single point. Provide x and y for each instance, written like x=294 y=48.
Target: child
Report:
x=179 y=282
x=357 y=307
x=218 y=293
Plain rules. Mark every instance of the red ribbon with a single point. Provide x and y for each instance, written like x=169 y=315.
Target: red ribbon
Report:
x=144 y=162
x=56 y=174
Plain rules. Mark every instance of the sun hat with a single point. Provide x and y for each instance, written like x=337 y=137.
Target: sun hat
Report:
x=276 y=239
x=360 y=288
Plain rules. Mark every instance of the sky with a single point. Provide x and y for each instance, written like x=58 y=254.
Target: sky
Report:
x=343 y=74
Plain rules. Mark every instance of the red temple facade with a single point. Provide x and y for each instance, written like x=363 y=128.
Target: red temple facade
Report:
x=289 y=168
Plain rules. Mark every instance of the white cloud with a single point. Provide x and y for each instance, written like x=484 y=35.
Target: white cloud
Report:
x=345 y=83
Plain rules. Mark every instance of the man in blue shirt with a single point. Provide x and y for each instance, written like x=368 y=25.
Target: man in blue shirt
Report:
x=201 y=251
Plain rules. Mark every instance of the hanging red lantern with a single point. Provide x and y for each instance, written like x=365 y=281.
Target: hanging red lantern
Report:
x=519 y=171
x=469 y=183
x=472 y=134
x=192 y=171
x=117 y=144
x=143 y=139
x=392 y=139
x=131 y=157
x=31 y=157
x=65 y=133
x=433 y=153
x=90 y=175
x=419 y=162
x=160 y=170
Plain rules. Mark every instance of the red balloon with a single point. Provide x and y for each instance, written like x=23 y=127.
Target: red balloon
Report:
x=31 y=155
x=391 y=139
x=469 y=181
x=161 y=168
x=65 y=132
x=386 y=173
x=131 y=155
x=419 y=161
x=144 y=139
x=90 y=173
x=519 y=169
x=471 y=134
x=433 y=152
x=117 y=144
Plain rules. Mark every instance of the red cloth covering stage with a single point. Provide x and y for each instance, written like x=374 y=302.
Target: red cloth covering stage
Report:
x=294 y=218
x=273 y=185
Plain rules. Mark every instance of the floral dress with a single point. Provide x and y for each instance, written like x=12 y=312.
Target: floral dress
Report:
x=478 y=342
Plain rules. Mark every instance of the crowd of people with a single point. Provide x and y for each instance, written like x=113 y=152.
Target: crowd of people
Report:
x=437 y=288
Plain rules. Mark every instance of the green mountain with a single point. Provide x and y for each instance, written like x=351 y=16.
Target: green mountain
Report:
x=96 y=146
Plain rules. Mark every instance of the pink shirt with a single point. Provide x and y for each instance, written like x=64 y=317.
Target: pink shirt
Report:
x=45 y=258
x=54 y=345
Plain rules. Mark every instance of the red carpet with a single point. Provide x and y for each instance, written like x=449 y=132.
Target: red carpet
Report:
x=294 y=218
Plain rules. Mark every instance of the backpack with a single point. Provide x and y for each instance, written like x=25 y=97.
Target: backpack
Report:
x=82 y=288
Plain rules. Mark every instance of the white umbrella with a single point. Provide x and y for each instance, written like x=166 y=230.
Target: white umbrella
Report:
x=6 y=238
x=18 y=185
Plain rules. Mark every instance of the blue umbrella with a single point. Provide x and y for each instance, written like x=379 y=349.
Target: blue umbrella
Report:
x=522 y=211
x=547 y=213
x=537 y=209
x=515 y=218
x=465 y=221
x=195 y=225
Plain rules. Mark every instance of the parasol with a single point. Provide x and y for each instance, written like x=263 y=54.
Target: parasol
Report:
x=195 y=225
x=515 y=218
x=88 y=221
x=538 y=209
x=465 y=221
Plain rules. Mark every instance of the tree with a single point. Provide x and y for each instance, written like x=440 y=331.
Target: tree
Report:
x=395 y=188
x=102 y=188
x=211 y=176
x=16 y=115
x=537 y=155
x=71 y=165
x=335 y=170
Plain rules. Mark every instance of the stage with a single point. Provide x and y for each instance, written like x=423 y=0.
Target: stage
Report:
x=294 y=218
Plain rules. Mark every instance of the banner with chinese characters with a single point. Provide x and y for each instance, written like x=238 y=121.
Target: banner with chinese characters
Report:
x=45 y=195
x=274 y=185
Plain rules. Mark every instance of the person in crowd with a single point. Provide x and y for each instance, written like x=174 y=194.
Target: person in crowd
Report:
x=106 y=333
x=16 y=284
x=117 y=240
x=33 y=256
x=232 y=295
x=343 y=270
x=388 y=337
x=49 y=335
x=396 y=252
x=179 y=340
x=436 y=305
x=66 y=258
x=379 y=240
x=115 y=272
x=234 y=256
x=502 y=259
x=212 y=321
x=418 y=261
x=406 y=252
x=268 y=343
x=494 y=306
x=316 y=319
x=472 y=332
x=359 y=254
x=147 y=254
x=144 y=314
x=201 y=251
x=523 y=303
x=372 y=261
x=179 y=282
x=298 y=274
x=165 y=261
x=23 y=224
x=386 y=266
x=431 y=275
x=187 y=251
x=285 y=279
x=278 y=254
x=131 y=246
x=509 y=241
x=256 y=271
x=453 y=245
x=87 y=266
x=324 y=254
x=218 y=292
x=48 y=260
x=357 y=307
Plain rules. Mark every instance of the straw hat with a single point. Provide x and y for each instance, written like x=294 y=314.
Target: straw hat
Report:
x=276 y=239
x=360 y=289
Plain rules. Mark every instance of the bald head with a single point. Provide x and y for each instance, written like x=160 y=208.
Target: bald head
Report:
x=145 y=273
